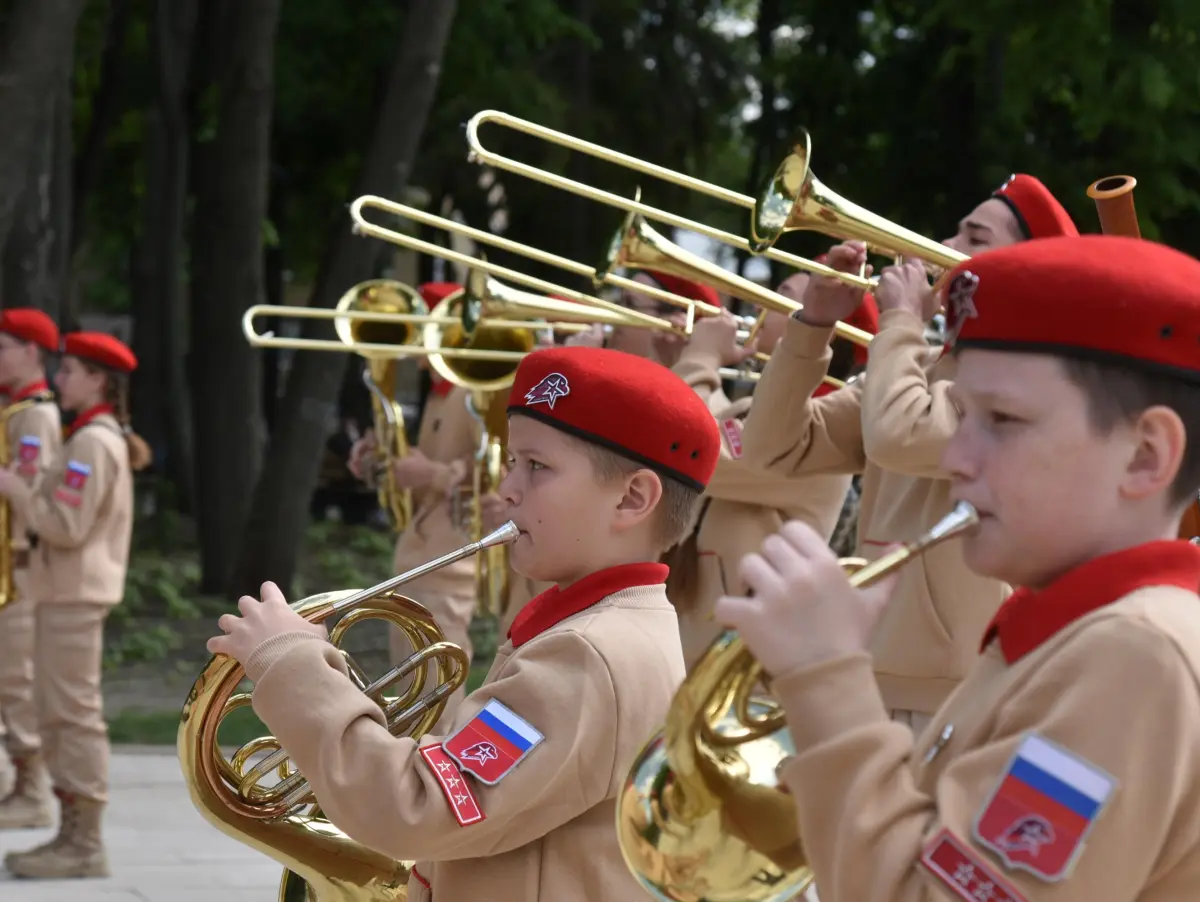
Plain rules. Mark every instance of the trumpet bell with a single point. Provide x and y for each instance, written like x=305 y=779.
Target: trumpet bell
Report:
x=472 y=373
x=796 y=200
x=379 y=296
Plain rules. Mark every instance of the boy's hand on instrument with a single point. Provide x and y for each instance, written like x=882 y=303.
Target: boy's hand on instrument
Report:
x=360 y=451
x=414 y=470
x=259 y=621
x=826 y=299
x=905 y=287
x=803 y=609
x=592 y=338
x=716 y=337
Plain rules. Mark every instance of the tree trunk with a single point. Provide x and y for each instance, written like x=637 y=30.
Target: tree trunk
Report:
x=37 y=50
x=227 y=277
x=272 y=539
x=161 y=402
x=36 y=256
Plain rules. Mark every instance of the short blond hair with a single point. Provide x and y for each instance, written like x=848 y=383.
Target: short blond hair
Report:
x=677 y=507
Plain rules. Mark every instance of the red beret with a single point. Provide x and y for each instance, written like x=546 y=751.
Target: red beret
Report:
x=631 y=405
x=1095 y=296
x=29 y=324
x=100 y=348
x=1039 y=214
x=686 y=288
x=436 y=292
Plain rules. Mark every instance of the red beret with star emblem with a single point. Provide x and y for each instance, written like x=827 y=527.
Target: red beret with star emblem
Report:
x=101 y=349
x=693 y=291
x=436 y=292
x=1100 y=297
x=32 y=325
x=1038 y=213
x=630 y=405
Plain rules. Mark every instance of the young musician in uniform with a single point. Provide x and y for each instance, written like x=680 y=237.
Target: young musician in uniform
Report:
x=608 y=456
x=82 y=512
x=1064 y=768
x=441 y=459
x=34 y=435
x=892 y=426
x=742 y=506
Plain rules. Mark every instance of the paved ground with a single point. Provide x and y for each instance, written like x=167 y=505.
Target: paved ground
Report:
x=160 y=848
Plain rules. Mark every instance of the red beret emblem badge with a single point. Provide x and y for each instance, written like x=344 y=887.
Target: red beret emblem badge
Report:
x=549 y=390
x=960 y=303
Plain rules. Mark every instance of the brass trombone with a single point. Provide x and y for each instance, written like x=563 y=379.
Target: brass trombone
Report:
x=701 y=814
x=813 y=206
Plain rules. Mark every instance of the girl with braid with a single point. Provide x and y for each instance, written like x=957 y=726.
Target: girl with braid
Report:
x=82 y=512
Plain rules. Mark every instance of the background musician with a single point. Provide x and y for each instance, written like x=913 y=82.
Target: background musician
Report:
x=892 y=426
x=741 y=506
x=1064 y=768
x=439 y=461
x=608 y=455
x=34 y=435
x=82 y=512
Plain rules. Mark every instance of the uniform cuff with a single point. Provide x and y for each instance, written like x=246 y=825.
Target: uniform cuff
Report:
x=902 y=319
x=800 y=340
x=270 y=651
x=830 y=699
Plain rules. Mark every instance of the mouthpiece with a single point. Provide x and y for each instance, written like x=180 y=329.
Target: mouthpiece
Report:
x=502 y=536
x=961 y=518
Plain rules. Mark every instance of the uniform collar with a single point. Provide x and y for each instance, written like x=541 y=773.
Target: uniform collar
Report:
x=1029 y=618
x=38 y=387
x=87 y=416
x=442 y=387
x=555 y=605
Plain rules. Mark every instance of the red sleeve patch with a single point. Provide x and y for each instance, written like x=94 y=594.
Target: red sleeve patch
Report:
x=733 y=436
x=964 y=873
x=462 y=801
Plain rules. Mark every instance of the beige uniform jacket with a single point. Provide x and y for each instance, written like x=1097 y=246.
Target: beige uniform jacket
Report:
x=448 y=433
x=743 y=507
x=34 y=441
x=596 y=685
x=82 y=512
x=1120 y=688
x=891 y=426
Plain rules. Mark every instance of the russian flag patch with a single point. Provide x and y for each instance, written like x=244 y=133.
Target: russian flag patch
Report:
x=1043 y=808
x=492 y=743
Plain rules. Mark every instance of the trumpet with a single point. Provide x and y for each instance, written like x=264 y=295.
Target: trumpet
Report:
x=701 y=814
x=229 y=792
x=813 y=205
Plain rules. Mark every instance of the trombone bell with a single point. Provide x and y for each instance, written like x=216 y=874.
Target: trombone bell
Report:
x=379 y=296
x=796 y=200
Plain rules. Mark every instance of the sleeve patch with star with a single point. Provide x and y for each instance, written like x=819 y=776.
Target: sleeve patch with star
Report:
x=960 y=870
x=462 y=800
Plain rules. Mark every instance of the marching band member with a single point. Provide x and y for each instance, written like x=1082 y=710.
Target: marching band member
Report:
x=1064 y=767
x=742 y=506
x=81 y=509
x=608 y=456
x=892 y=426
x=34 y=438
x=439 y=461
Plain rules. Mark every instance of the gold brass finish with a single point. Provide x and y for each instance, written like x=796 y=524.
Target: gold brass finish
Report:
x=796 y=200
x=1114 y=205
x=282 y=821
x=702 y=814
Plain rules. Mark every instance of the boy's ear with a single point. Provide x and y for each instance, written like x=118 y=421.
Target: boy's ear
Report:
x=643 y=491
x=1161 y=445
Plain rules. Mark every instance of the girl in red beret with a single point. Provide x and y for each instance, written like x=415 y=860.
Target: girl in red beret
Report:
x=82 y=511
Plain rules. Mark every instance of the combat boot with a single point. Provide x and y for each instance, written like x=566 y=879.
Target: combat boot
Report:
x=27 y=805
x=77 y=851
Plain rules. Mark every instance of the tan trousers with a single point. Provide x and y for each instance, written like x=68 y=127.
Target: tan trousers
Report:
x=18 y=714
x=453 y=612
x=68 y=643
